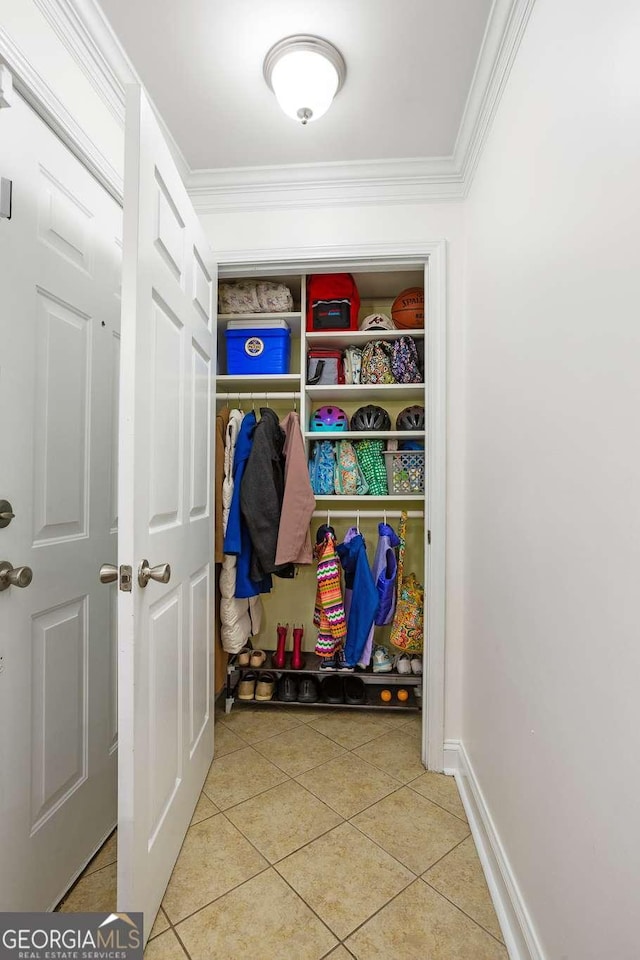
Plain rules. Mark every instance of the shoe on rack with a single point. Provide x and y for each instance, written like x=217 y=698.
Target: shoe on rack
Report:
x=308 y=689
x=297 y=660
x=403 y=663
x=288 y=688
x=332 y=690
x=258 y=658
x=341 y=663
x=266 y=686
x=279 y=658
x=328 y=663
x=244 y=656
x=247 y=686
x=355 y=690
x=382 y=660
x=416 y=663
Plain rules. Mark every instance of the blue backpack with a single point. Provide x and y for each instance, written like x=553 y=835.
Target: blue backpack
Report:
x=322 y=468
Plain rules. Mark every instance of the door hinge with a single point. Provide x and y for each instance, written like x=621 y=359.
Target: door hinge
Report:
x=6 y=86
x=6 y=193
x=428 y=536
x=126 y=575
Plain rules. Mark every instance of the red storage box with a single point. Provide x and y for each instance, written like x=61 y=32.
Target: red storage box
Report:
x=333 y=302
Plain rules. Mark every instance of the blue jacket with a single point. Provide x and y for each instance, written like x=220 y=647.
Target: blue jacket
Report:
x=236 y=540
x=364 y=598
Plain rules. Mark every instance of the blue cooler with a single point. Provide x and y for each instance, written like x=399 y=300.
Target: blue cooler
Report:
x=257 y=347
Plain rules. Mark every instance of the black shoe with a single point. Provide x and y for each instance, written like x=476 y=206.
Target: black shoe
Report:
x=307 y=689
x=287 y=688
x=354 y=690
x=332 y=689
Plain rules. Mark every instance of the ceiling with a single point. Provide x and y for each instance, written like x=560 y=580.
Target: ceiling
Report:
x=410 y=65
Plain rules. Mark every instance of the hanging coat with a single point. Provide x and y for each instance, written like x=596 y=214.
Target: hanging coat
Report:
x=328 y=615
x=237 y=541
x=261 y=496
x=385 y=570
x=231 y=438
x=222 y=419
x=299 y=502
x=364 y=596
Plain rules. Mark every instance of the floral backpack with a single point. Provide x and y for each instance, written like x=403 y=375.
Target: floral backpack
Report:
x=349 y=479
x=322 y=468
x=405 y=365
x=408 y=622
x=376 y=362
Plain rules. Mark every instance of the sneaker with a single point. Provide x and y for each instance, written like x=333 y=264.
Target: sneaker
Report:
x=416 y=663
x=328 y=663
x=266 y=686
x=382 y=661
x=247 y=686
x=403 y=663
x=341 y=663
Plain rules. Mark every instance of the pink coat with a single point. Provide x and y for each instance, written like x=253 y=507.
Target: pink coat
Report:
x=294 y=539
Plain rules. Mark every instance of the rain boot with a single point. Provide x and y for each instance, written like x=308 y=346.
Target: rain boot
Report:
x=279 y=658
x=297 y=660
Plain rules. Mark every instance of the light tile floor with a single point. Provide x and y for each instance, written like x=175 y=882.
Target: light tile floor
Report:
x=318 y=834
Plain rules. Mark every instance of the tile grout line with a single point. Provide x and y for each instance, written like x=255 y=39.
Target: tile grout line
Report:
x=464 y=912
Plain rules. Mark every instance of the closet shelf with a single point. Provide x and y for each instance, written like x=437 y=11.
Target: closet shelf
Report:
x=364 y=434
x=333 y=338
x=364 y=392
x=266 y=383
x=411 y=706
x=342 y=498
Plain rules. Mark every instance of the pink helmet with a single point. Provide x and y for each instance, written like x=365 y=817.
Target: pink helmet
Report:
x=329 y=419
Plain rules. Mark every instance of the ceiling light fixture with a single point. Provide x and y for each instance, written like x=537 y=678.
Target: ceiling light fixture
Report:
x=305 y=73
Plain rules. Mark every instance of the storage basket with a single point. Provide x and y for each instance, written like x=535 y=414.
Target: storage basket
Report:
x=405 y=471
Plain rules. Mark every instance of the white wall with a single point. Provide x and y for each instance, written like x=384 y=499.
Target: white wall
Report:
x=552 y=647
x=273 y=230
x=23 y=22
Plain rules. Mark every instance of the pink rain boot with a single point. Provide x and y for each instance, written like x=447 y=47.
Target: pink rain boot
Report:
x=279 y=658
x=297 y=660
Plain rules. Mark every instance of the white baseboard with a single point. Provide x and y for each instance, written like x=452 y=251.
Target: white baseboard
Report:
x=517 y=928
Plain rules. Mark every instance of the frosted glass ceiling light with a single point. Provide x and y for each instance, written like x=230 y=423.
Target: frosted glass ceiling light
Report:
x=305 y=73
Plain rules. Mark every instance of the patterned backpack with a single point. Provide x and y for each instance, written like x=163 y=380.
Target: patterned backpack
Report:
x=349 y=479
x=405 y=365
x=322 y=468
x=376 y=362
x=371 y=461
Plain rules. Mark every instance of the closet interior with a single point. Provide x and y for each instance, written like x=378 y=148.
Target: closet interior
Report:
x=394 y=682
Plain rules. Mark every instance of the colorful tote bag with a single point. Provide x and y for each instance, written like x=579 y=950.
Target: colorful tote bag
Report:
x=408 y=623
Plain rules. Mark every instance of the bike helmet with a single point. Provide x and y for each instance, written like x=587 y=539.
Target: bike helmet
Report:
x=370 y=418
x=328 y=419
x=411 y=418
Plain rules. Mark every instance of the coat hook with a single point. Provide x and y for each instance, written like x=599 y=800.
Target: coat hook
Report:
x=295 y=404
x=266 y=400
x=384 y=514
x=358 y=521
x=328 y=518
x=253 y=406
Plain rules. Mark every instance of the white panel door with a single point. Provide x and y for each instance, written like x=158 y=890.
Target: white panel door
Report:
x=165 y=664
x=59 y=336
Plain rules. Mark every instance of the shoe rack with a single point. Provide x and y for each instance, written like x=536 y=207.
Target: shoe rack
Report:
x=374 y=683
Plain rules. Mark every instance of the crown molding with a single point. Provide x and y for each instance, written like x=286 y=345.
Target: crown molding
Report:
x=31 y=85
x=312 y=185
x=87 y=35
x=504 y=31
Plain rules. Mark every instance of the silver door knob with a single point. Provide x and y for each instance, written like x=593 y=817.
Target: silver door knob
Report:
x=161 y=573
x=14 y=576
x=108 y=573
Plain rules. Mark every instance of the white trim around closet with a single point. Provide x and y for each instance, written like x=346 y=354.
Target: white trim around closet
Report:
x=395 y=256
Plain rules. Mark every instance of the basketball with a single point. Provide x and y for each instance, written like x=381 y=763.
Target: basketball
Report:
x=407 y=311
